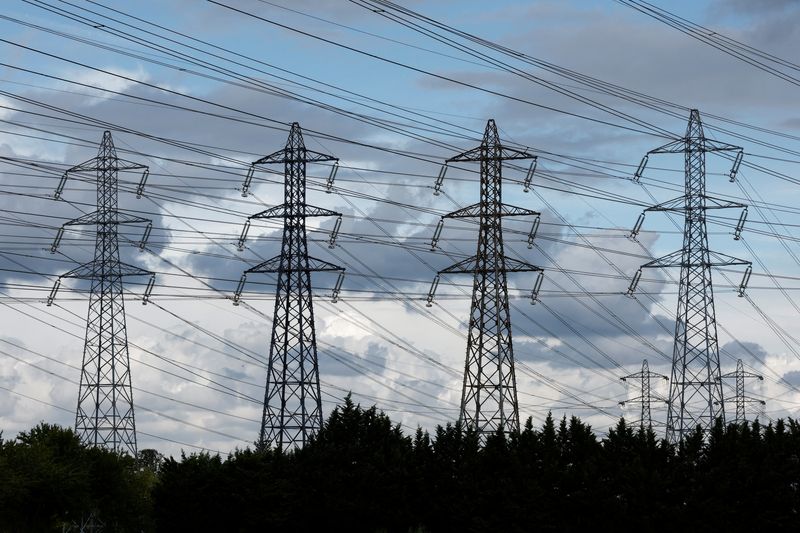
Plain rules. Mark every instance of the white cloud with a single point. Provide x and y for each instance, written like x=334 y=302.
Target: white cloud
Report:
x=113 y=81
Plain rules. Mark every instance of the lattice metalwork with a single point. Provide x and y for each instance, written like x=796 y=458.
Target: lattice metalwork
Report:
x=105 y=415
x=741 y=400
x=695 y=397
x=646 y=396
x=489 y=394
x=292 y=401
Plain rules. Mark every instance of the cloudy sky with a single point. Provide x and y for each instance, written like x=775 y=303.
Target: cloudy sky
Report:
x=198 y=90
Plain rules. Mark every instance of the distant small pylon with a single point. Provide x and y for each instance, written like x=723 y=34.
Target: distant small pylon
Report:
x=741 y=400
x=646 y=397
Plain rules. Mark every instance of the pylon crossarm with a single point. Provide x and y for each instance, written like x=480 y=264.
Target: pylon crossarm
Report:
x=680 y=204
x=273 y=265
x=679 y=146
x=639 y=375
x=94 y=270
x=115 y=217
x=743 y=374
x=479 y=154
x=131 y=270
x=673 y=259
x=716 y=146
x=314 y=211
x=719 y=203
x=272 y=212
x=506 y=210
x=470 y=266
x=87 y=166
x=318 y=265
x=467 y=266
x=124 y=164
x=674 y=147
x=287 y=156
x=99 y=163
x=280 y=211
x=514 y=265
x=472 y=211
x=676 y=204
x=269 y=266
x=720 y=259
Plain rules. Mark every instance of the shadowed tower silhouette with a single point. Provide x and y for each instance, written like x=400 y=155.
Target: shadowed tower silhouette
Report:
x=292 y=401
x=489 y=394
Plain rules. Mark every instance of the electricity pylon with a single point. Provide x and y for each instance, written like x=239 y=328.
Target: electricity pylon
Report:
x=646 y=397
x=292 y=400
x=740 y=399
x=104 y=416
x=695 y=393
x=489 y=394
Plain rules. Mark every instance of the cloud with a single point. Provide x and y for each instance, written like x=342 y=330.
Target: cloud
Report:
x=380 y=341
x=115 y=81
x=793 y=377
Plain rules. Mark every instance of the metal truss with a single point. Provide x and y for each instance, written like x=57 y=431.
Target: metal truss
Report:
x=292 y=400
x=695 y=397
x=489 y=394
x=105 y=414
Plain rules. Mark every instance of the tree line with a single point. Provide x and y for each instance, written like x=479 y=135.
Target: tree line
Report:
x=362 y=473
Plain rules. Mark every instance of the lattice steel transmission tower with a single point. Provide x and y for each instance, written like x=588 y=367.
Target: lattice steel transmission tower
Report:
x=104 y=415
x=645 y=376
x=741 y=399
x=489 y=394
x=292 y=400
x=695 y=394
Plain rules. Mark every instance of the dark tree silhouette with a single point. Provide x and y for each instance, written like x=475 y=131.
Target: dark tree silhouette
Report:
x=362 y=473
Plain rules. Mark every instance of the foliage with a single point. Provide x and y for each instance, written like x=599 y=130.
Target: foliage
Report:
x=362 y=473
x=49 y=480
